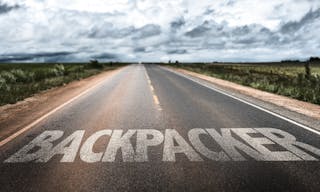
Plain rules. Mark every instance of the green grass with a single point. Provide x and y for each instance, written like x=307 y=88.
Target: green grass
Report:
x=19 y=81
x=283 y=79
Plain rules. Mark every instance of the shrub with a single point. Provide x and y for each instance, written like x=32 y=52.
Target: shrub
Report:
x=9 y=77
x=40 y=74
x=74 y=69
x=56 y=71
x=2 y=83
x=59 y=69
x=52 y=72
x=23 y=76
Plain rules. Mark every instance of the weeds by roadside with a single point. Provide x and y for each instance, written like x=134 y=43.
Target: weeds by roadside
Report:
x=19 y=81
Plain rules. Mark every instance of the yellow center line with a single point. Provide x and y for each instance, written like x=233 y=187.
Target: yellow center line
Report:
x=152 y=89
x=156 y=100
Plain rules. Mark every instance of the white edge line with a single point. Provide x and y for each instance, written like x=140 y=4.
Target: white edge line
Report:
x=246 y=102
x=31 y=125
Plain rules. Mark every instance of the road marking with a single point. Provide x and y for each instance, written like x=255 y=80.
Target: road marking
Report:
x=16 y=134
x=226 y=144
x=154 y=95
x=246 y=102
x=152 y=89
x=156 y=100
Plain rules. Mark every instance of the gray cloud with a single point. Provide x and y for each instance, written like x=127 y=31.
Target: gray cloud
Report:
x=139 y=49
x=105 y=56
x=296 y=25
x=41 y=56
x=5 y=8
x=177 y=51
x=231 y=2
x=240 y=31
x=177 y=24
x=109 y=31
x=147 y=31
x=150 y=30
x=197 y=31
x=209 y=11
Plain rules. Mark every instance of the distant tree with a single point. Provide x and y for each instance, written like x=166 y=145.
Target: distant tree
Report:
x=177 y=62
x=169 y=62
x=94 y=61
x=290 y=61
x=307 y=70
x=314 y=59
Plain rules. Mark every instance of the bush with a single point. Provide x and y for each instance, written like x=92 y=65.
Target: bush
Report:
x=40 y=74
x=9 y=77
x=23 y=76
x=59 y=69
x=56 y=71
x=2 y=83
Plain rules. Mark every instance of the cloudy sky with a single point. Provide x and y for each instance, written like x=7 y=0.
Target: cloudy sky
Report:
x=153 y=30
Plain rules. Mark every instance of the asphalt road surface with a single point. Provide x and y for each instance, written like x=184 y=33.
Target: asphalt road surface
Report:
x=146 y=128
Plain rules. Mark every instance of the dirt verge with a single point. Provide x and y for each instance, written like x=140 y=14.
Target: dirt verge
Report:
x=14 y=117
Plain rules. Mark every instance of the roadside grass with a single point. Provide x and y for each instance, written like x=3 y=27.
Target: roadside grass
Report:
x=19 y=81
x=284 y=79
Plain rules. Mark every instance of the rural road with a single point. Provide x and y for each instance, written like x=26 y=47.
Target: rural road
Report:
x=146 y=128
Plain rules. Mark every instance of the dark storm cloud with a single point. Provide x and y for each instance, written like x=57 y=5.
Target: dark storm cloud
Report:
x=139 y=49
x=105 y=56
x=5 y=8
x=296 y=25
x=47 y=57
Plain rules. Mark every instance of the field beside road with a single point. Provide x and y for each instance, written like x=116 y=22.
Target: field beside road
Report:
x=288 y=79
x=19 y=81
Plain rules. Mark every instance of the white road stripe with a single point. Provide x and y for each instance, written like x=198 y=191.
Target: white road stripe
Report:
x=16 y=134
x=246 y=102
x=155 y=97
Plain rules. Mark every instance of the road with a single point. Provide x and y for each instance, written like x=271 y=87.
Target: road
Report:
x=146 y=128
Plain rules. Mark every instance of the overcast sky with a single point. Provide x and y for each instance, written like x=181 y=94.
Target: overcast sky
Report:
x=158 y=30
